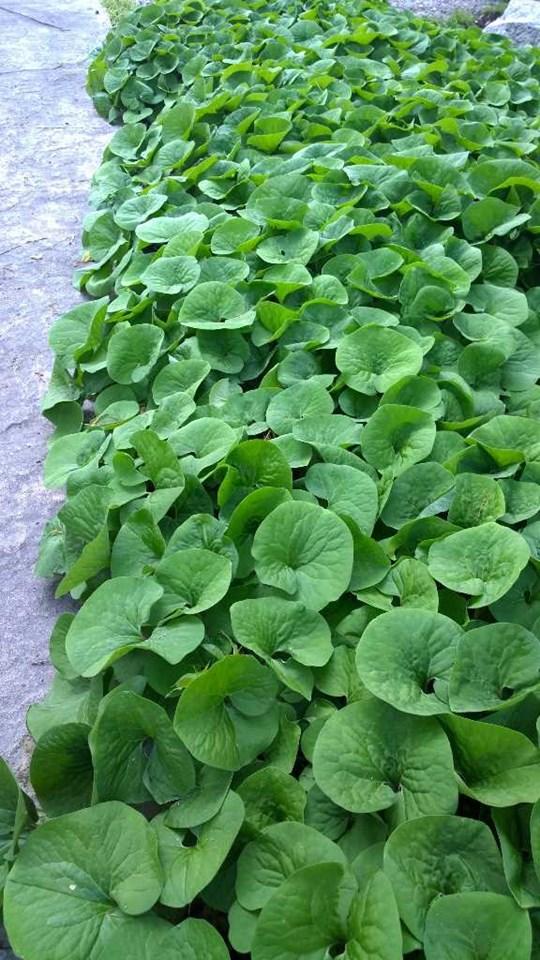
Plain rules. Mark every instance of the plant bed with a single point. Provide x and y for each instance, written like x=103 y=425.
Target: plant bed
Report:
x=297 y=424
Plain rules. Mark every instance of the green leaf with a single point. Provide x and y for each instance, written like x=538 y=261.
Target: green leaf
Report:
x=171 y=275
x=242 y=924
x=522 y=500
x=152 y=937
x=296 y=402
x=70 y=700
x=483 y=561
x=472 y=925
x=429 y=858
x=17 y=816
x=202 y=443
x=189 y=868
x=176 y=639
x=405 y=657
x=96 y=869
x=369 y=757
x=509 y=439
x=179 y=376
x=228 y=714
x=271 y=796
x=77 y=331
x=323 y=902
x=374 y=927
x=201 y=803
x=305 y=551
x=61 y=769
x=411 y=581
x=374 y=358
x=279 y=851
x=136 y=209
x=395 y=437
x=418 y=492
x=513 y=825
x=163 y=229
x=193 y=580
x=496 y=666
x=232 y=235
x=215 y=306
x=271 y=626
x=251 y=465
x=296 y=246
x=315 y=900
x=109 y=624
x=347 y=491
x=535 y=837
x=491 y=217
x=138 y=547
x=494 y=764
x=69 y=454
x=508 y=305
x=477 y=499
x=161 y=464
x=136 y=753
x=133 y=351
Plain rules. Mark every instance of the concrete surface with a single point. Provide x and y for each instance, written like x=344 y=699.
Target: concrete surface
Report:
x=520 y=21
x=51 y=144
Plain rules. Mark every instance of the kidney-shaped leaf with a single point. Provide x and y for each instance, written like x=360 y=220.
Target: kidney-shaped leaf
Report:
x=193 y=579
x=319 y=909
x=417 y=492
x=279 y=851
x=495 y=765
x=228 y=714
x=433 y=856
x=136 y=753
x=369 y=757
x=373 y=358
x=348 y=492
x=155 y=939
x=483 y=561
x=91 y=870
x=189 y=867
x=133 y=351
x=270 y=625
x=215 y=306
x=306 y=551
x=61 y=769
x=71 y=453
x=171 y=274
x=109 y=624
x=496 y=666
x=395 y=437
x=405 y=657
x=470 y=926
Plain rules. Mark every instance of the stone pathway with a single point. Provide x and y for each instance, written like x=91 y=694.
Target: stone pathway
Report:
x=51 y=144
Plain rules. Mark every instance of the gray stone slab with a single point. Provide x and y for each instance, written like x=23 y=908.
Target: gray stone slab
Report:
x=520 y=22
x=51 y=144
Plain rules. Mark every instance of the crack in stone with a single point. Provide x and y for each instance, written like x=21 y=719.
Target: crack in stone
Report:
x=27 y=16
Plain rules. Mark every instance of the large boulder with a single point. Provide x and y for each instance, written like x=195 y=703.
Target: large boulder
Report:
x=520 y=21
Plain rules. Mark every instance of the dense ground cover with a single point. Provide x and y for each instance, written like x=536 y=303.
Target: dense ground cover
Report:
x=298 y=427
